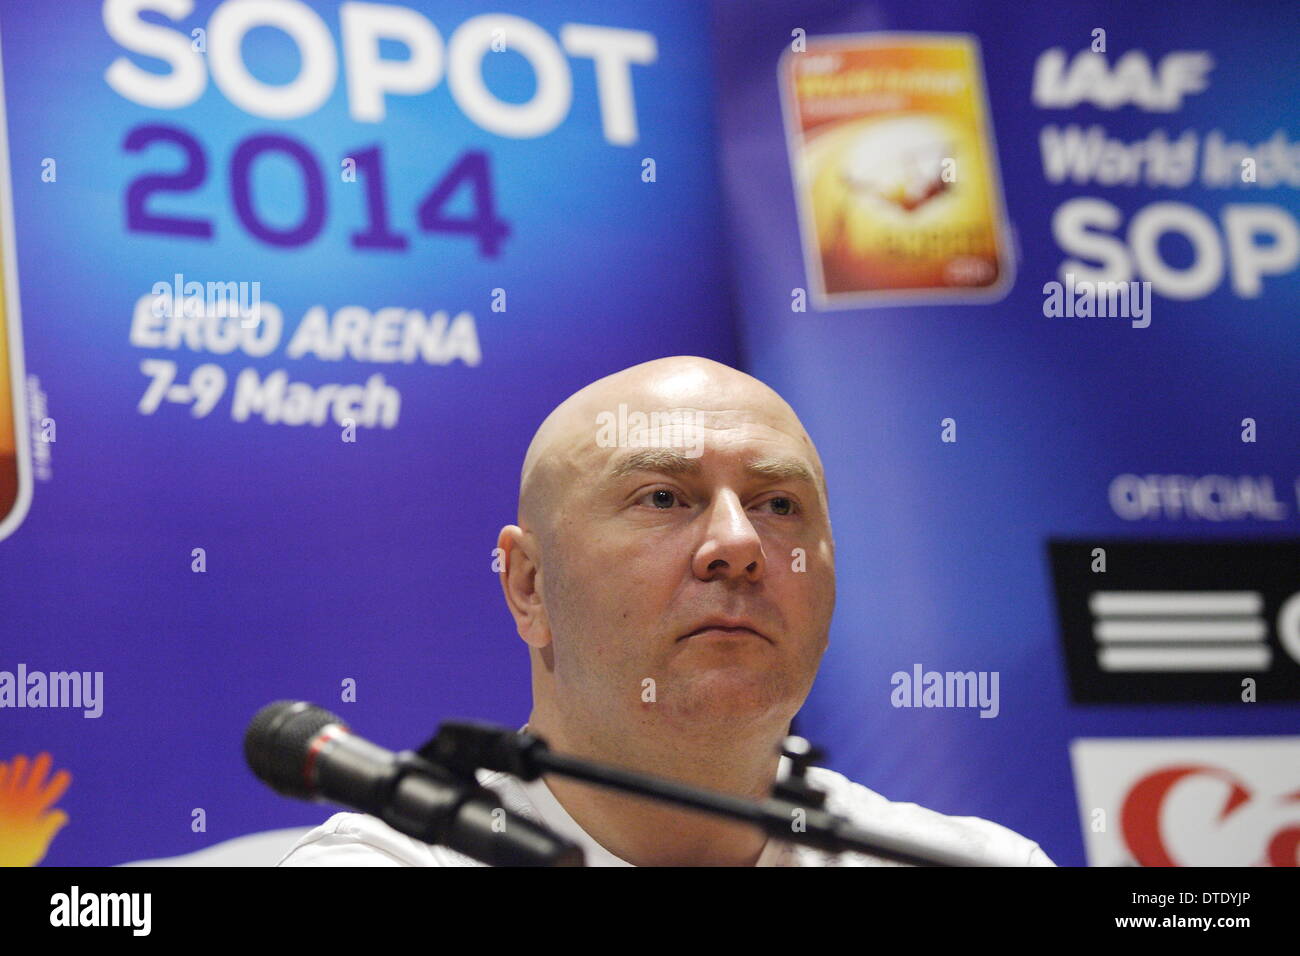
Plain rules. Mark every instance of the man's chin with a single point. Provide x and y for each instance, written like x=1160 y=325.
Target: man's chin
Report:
x=730 y=693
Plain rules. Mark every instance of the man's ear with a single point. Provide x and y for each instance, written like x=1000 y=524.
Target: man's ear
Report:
x=521 y=583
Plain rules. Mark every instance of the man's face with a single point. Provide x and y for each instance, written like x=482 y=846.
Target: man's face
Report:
x=647 y=544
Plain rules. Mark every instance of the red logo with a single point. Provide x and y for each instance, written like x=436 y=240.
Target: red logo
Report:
x=1141 y=810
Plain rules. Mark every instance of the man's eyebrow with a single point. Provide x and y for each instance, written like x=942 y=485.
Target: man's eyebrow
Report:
x=662 y=460
x=669 y=462
x=780 y=469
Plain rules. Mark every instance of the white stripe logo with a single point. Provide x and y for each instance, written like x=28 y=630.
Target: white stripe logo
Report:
x=1180 y=631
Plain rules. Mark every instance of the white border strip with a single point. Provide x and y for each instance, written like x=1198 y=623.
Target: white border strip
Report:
x=13 y=320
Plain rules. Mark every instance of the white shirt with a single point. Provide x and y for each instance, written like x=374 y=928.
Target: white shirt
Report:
x=356 y=839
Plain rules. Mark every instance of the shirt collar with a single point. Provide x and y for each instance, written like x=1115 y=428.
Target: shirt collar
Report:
x=552 y=813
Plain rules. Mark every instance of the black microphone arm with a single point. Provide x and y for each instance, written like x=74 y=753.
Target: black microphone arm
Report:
x=464 y=746
x=303 y=751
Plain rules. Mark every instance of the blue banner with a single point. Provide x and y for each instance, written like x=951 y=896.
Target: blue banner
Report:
x=1029 y=275
x=297 y=282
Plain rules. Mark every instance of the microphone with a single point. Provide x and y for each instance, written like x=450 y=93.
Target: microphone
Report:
x=304 y=751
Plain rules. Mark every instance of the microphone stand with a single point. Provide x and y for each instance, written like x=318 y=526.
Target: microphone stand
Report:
x=794 y=813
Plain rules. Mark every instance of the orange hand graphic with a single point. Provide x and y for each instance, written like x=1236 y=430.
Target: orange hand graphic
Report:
x=26 y=824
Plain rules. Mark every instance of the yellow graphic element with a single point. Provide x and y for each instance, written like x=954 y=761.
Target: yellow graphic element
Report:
x=895 y=170
x=27 y=825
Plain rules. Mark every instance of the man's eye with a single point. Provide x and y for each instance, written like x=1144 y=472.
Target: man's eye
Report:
x=788 y=505
x=662 y=498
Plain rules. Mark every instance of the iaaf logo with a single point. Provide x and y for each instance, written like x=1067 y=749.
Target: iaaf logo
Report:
x=1220 y=801
x=1132 y=80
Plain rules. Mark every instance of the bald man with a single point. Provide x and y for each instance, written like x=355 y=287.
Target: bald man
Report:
x=673 y=576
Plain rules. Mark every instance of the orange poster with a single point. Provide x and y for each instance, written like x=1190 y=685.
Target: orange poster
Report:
x=895 y=170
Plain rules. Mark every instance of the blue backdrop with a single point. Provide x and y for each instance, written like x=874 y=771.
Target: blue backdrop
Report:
x=561 y=236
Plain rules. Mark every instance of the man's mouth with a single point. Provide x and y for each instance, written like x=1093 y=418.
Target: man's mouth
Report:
x=723 y=629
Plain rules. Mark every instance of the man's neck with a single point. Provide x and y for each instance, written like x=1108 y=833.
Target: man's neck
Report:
x=647 y=832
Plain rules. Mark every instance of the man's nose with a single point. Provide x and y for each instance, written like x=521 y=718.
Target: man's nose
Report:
x=731 y=546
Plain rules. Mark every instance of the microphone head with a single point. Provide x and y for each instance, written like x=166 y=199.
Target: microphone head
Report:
x=278 y=740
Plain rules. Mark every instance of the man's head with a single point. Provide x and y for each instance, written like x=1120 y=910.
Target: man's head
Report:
x=630 y=539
